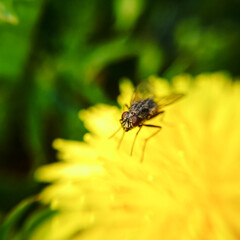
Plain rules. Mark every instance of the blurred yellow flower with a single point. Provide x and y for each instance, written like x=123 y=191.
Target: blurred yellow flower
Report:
x=188 y=186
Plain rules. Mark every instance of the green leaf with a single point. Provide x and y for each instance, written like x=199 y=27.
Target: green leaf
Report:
x=33 y=222
x=12 y=219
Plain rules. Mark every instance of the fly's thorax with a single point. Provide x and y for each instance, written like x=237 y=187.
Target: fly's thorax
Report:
x=144 y=109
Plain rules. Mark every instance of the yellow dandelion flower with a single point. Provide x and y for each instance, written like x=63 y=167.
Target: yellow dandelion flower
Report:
x=187 y=187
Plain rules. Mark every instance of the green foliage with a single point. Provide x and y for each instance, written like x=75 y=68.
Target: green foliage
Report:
x=24 y=219
x=6 y=12
x=57 y=57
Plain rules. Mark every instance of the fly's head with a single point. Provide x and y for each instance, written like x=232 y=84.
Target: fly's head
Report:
x=129 y=121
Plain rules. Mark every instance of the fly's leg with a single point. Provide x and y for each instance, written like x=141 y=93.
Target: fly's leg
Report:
x=120 y=141
x=135 y=139
x=147 y=125
x=125 y=105
x=114 y=133
x=158 y=113
x=163 y=114
x=146 y=140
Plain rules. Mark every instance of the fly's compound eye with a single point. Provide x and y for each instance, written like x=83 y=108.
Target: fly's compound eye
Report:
x=124 y=115
x=135 y=121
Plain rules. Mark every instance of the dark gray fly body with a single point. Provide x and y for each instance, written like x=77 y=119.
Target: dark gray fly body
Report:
x=142 y=108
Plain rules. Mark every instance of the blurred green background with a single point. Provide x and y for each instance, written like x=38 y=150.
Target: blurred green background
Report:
x=57 y=57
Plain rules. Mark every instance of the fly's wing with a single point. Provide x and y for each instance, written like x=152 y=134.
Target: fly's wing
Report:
x=146 y=90
x=167 y=100
x=143 y=91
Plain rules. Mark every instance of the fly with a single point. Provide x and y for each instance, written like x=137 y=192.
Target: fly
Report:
x=140 y=111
